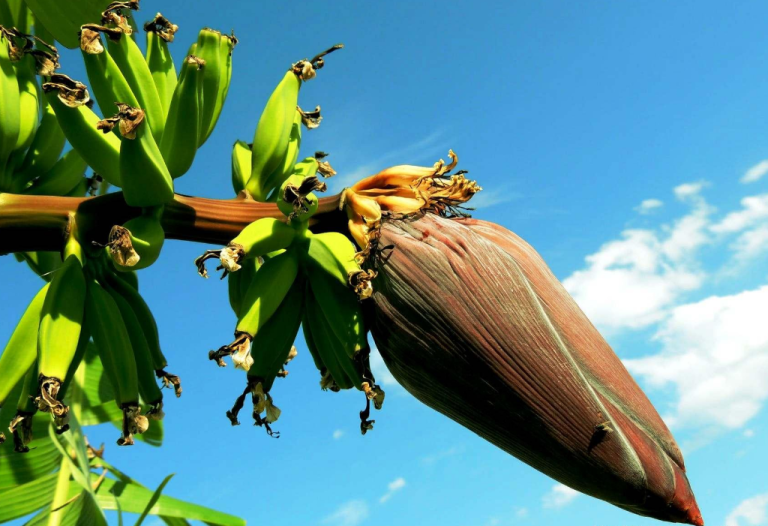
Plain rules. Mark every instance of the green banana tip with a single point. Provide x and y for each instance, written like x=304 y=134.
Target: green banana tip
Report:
x=120 y=247
x=70 y=92
x=21 y=429
x=360 y=282
x=366 y=424
x=229 y=256
x=113 y=15
x=134 y=423
x=263 y=403
x=310 y=119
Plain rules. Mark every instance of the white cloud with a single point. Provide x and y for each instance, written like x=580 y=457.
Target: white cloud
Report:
x=521 y=513
x=351 y=513
x=491 y=197
x=559 y=496
x=687 y=191
x=632 y=282
x=756 y=172
x=750 y=512
x=749 y=433
x=751 y=243
x=648 y=206
x=715 y=354
x=755 y=209
x=393 y=487
x=338 y=434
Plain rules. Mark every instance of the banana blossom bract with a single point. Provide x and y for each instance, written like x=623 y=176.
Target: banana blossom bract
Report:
x=472 y=322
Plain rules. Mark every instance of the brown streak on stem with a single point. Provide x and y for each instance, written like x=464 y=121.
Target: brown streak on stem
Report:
x=39 y=223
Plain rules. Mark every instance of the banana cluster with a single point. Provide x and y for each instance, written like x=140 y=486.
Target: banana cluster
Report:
x=281 y=276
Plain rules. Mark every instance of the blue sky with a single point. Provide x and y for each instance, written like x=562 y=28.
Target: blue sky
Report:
x=624 y=141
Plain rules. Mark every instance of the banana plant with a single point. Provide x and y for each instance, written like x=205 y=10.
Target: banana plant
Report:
x=63 y=480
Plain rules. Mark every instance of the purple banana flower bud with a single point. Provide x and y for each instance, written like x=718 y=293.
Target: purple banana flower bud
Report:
x=472 y=322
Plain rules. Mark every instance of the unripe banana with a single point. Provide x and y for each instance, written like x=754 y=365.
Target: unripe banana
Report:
x=137 y=244
x=272 y=344
x=29 y=103
x=227 y=45
x=113 y=343
x=264 y=295
x=43 y=263
x=131 y=61
x=10 y=118
x=145 y=178
x=326 y=345
x=160 y=31
x=241 y=165
x=257 y=239
x=21 y=350
x=312 y=346
x=45 y=149
x=296 y=198
x=60 y=323
x=148 y=388
x=149 y=327
x=209 y=50
x=108 y=84
x=79 y=123
x=60 y=21
x=273 y=134
x=286 y=168
x=179 y=144
x=238 y=282
x=62 y=178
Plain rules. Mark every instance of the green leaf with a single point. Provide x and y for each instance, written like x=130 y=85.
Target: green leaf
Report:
x=43 y=458
x=77 y=474
x=174 y=521
x=133 y=499
x=83 y=511
x=154 y=499
x=26 y=498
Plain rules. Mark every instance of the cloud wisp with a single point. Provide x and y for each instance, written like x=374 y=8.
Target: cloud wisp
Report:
x=392 y=488
x=756 y=172
x=559 y=496
x=750 y=512
x=351 y=513
x=649 y=206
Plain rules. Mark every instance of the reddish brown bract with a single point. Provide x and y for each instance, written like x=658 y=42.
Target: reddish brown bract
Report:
x=472 y=322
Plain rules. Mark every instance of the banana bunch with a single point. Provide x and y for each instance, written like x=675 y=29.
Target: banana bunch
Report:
x=262 y=166
x=86 y=299
x=283 y=277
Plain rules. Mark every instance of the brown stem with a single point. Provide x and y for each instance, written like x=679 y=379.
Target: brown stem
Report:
x=39 y=223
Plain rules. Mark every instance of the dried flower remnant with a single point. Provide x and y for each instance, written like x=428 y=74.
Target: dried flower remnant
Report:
x=404 y=190
x=472 y=322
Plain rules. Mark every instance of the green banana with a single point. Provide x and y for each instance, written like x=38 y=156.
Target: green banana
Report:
x=108 y=84
x=29 y=103
x=257 y=239
x=61 y=20
x=209 y=50
x=327 y=347
x=149 y=327
x=286 y=168
x=148 y=389
x=272 y=344
x=179 y=144
x=145 y=178
x=131 y=62
x=264 y=295
x=10 y=117
x=21 y=350
x=60 y=323
x=227 y=45
x=273 y=134
x=160 y=31
x=130 y=277
x=137 y=244
x=79 y=123
x=112 y=340
x=241 y=165
x=296 y=198
x=326 y=379
x=62 y=178
x=45 y=149
x=237 y=283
